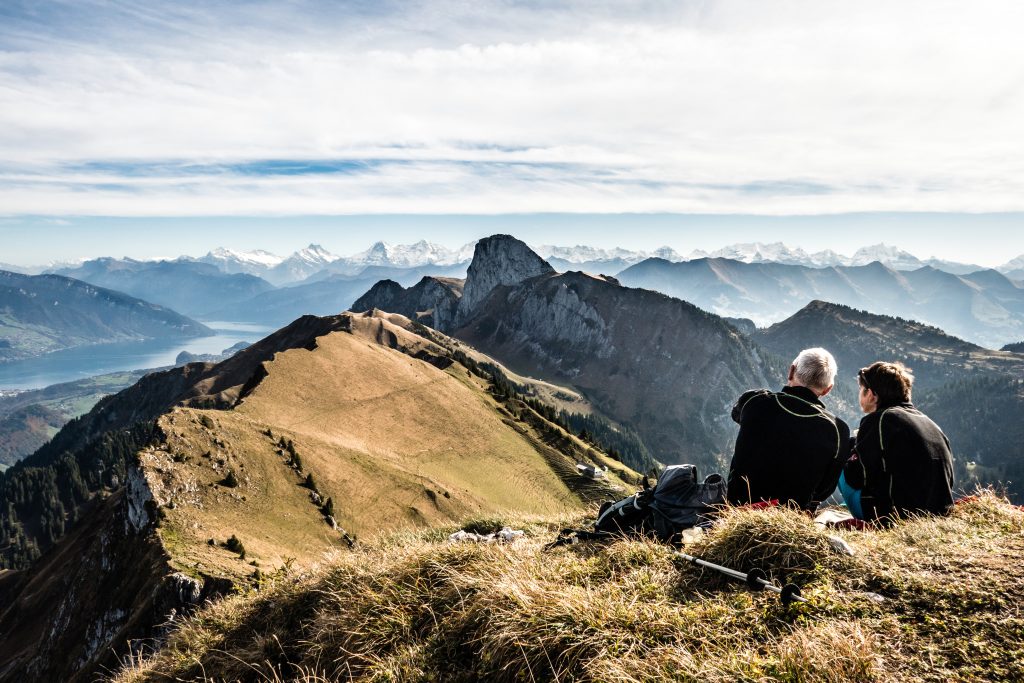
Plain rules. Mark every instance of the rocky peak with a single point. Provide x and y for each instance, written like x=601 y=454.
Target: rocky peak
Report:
x=499 y=260
x=432 y=301
x=381 y=295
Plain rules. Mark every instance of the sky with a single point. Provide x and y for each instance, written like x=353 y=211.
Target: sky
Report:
x=159 y=129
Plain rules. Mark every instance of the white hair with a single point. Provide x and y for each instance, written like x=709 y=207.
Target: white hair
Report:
x=815 y=368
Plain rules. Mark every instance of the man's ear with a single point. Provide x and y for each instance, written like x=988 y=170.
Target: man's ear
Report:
x=824 y=393
x=792 y=373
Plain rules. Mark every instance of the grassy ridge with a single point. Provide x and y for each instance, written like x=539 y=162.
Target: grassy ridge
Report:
x=928 y=600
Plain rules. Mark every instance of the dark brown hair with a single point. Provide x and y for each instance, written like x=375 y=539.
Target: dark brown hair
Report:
x=891 y=382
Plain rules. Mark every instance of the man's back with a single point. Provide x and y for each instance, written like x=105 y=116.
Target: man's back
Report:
x=789 y=448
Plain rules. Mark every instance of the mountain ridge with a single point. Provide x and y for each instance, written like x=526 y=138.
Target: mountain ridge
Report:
x=985 y=308
x=398 y=429
x=43 y=313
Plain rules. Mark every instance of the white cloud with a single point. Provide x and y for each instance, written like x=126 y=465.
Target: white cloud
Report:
x=712 y=107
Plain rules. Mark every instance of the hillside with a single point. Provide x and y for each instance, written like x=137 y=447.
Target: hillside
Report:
x=397 y=430
x=983 y=416
x=984 y=307
x=928 y=600
x=44 y=313
x=187 y=286
x=23 y=430
x=858 y=338
x=656 y=365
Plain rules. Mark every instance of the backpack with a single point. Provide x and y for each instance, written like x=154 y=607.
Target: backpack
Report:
x=677 y=502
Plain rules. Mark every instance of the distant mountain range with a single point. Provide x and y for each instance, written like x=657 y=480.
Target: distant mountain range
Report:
x=764 y=283
x=43 y=313
x=306 y=262
x=189 y=287
x=316 y=263
x=984 y=307
x=239 y=285
x=311 y=260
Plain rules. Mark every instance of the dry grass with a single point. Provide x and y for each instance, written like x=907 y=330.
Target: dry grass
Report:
x=413 y=608
x=394 y=441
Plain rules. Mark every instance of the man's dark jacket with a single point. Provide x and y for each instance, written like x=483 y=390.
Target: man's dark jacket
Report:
x=789 y=448
x=902 y=464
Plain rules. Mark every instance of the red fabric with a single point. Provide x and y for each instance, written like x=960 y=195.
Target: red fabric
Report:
x=763 y=505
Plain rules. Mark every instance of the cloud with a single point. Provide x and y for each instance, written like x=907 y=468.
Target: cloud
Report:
x=433 y=107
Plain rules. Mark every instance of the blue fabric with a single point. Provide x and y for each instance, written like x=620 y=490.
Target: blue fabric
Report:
x=851 y=496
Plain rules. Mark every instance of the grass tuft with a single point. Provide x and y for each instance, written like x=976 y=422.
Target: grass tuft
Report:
x=786 y=544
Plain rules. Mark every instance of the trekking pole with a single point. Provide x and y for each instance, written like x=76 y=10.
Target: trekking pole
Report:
x=755 y=579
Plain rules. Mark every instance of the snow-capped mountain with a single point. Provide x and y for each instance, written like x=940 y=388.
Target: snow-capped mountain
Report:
x=581 y=254
x=301 y=265
x=421 y=253
x=256 y=262
x=667 y=253
x=1014 y=268
x=894 y=257
x=1015 y=264
x=777 y=252
x=759 y=252
x=398 y=256
x=316 y=262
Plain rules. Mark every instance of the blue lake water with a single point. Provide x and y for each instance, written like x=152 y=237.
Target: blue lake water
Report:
x=86 y=361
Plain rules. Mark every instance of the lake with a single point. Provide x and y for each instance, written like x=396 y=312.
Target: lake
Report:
x=86 y=361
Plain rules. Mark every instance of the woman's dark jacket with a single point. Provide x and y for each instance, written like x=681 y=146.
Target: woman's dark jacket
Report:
x=789 y=448
x=902 y=464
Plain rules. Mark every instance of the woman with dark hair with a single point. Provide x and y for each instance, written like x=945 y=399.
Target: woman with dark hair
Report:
x=902 y=463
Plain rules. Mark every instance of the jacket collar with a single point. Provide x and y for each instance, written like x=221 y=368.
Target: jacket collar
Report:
x=803 y=393
x=898 y=404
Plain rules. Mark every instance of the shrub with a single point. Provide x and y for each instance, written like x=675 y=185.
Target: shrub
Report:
x=235 y=546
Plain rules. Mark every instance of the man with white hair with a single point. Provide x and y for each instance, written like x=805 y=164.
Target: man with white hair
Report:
x=790 y=448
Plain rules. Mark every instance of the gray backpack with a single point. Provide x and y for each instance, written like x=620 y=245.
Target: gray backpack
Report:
x=678 y=501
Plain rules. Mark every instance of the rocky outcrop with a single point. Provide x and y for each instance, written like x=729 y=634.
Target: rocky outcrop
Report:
x=383 y=296
x=104 y=584
x=498 y=260
x=658 y=364
x=433 y=301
